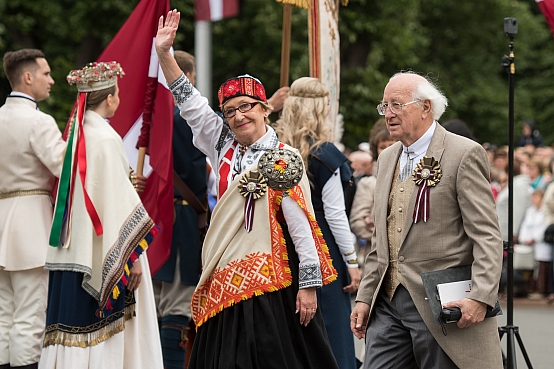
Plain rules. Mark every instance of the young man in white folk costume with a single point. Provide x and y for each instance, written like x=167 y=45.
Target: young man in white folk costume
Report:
x=31 y=148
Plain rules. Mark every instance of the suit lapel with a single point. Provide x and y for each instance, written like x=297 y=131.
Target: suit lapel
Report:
x=387 y=167
x=390 y=169
x=435 y=149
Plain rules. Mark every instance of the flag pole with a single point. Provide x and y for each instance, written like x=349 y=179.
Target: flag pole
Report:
x=203 y=55
x=140 y=160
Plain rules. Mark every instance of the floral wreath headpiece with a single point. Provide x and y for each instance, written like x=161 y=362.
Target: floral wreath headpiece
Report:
x=95 y=76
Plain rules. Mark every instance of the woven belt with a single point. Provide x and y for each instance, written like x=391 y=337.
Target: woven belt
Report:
x=7 y=195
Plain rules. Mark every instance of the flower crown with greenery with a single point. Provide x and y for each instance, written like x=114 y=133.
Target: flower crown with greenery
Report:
x=95 y=76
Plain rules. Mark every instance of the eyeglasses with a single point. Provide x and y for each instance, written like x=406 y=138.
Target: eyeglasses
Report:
x=243 y=108
x=395 y=108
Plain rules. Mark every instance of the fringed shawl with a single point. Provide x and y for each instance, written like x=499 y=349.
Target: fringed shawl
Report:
x=238 y=265
x=104 y=260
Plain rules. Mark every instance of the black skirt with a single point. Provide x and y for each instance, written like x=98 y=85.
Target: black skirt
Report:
x=264 y=332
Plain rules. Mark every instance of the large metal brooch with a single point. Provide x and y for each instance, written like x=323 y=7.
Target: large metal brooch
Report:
x=427 y=174
x=281 y=167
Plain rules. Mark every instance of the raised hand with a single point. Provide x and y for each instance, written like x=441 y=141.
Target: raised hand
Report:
x=167 y=31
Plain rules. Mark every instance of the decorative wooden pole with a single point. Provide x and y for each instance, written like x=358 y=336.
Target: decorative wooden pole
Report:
x=285 y=45
x=140 y=160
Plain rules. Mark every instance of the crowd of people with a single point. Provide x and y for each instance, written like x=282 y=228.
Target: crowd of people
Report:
x=533 y=212
x=298 y=230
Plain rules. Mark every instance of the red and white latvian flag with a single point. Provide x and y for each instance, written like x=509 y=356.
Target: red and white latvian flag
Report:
x=547 y=8
x=144 y=94
x=214 y=10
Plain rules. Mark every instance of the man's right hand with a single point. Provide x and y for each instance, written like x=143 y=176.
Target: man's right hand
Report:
x=359 y=319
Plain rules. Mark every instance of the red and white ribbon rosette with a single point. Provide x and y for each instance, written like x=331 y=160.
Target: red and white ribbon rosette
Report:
x=426 y=175
x=279 y=169
x=252 y=186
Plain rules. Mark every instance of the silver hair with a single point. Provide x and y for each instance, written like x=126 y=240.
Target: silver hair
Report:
x=428 y=91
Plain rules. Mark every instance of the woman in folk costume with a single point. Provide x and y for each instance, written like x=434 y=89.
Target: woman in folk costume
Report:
x=303 y=125
x=263 y=257
x=101 y=311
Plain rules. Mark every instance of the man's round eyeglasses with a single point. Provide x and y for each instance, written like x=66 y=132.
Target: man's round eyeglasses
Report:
x=395 y=108
x=243 y=108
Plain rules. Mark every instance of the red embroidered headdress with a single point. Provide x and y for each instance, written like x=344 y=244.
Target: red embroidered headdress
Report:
x=245 y=85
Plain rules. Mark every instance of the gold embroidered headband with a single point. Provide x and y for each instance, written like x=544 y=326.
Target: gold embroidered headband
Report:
x=300 y=94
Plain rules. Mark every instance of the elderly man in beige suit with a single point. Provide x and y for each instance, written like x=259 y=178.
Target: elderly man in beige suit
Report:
x=31 y=149
x=457 y=226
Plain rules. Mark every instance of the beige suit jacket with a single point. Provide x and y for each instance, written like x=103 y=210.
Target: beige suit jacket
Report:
x=362 y=206
x=462 y=230
x=31 y=149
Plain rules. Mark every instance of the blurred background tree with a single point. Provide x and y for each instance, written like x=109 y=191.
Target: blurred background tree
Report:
x=458 y=44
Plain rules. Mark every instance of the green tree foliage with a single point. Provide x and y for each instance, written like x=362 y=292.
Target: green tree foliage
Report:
x=378 y=38
x=458 y=44
x=251 y=43
x=71 y=34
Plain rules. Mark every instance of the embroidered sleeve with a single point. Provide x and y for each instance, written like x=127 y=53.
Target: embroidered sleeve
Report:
x=181 y=89
x=197 y=113
x=301 y=234
x=224 y=137
x=309 y=276
x=335 y=215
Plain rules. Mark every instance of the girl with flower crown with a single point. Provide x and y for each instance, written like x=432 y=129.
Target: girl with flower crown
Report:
x=101 y=311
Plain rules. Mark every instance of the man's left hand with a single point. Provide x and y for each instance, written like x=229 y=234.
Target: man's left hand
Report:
x=473 y=312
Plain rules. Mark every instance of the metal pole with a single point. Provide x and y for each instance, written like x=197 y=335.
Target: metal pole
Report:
x=203 y=56
x=510 y=302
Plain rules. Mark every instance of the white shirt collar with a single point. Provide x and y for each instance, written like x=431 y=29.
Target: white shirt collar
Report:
x=22 y=94
x=420 y=147
x=268 y=138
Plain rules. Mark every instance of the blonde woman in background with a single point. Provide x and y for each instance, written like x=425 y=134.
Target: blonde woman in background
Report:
x=304 y=126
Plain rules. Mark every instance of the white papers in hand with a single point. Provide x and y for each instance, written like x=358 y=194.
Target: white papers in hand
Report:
x=453 y=291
